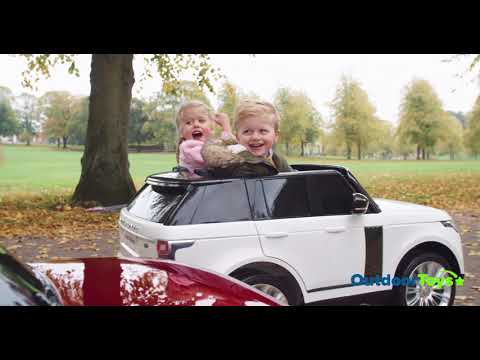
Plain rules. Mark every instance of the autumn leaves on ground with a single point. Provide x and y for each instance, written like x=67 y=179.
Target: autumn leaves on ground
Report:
x=35 y=229
x=39 y=224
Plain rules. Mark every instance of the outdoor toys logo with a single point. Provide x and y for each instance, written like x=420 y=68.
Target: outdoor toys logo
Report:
x=423 y=279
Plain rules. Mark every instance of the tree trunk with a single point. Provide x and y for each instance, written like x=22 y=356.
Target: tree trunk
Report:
x=303 y=149
x=428 y=155
x=423 y=153
x=349 y=152
x=359 y=150
x=286 y=148
x=105 y=177
x=65 y=138
x=418 y=152
x=58 y=143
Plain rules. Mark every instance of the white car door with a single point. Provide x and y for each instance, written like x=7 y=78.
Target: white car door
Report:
x=217 y=218
x=307 y=223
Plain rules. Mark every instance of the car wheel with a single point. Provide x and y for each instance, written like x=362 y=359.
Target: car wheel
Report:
x=424 y=295
x=276 y=287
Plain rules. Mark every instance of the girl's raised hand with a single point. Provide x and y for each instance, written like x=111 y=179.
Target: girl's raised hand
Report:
x=221 y=119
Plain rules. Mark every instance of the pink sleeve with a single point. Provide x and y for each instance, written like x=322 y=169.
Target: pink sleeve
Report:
x=190 y=155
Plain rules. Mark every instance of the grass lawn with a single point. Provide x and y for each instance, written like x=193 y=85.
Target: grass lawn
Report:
x=442 y=183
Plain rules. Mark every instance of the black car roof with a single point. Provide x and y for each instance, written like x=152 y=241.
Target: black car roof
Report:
x=174 y=178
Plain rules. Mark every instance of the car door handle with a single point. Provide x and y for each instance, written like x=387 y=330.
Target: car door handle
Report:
x=337 y=229
x=276 y=235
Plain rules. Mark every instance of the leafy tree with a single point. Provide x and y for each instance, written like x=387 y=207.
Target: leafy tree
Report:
x=6 y=94
x=8 y=122
x=382 y=144
x=105 y=176
x=189 y=90
x=421 y=116
x=290 y=127
x=59 y=109
x=229 y=97
x=452 y=137
x=29 y=115
x=137 y=133
x=461 y=118
x=300 y=122
x=311 y=121
x=402 y=147
x=475 y=61
x=472 y=134
x=354 y=115
x=78 y=127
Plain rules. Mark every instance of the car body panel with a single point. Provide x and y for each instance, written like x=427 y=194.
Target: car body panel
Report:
x=322 y=253
x=122 y=282
x=324 y=250
x=399 y=212
x=400 y=239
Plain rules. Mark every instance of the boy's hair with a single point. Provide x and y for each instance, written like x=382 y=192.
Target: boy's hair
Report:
x=249 y=108
x=188 y=105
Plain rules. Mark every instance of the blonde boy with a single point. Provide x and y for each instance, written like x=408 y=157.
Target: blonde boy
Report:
x=256 y=128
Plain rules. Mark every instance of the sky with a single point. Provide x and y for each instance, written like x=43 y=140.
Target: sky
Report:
x=382 y=76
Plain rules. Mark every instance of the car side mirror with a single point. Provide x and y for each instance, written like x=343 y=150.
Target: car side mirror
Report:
x=360 y=203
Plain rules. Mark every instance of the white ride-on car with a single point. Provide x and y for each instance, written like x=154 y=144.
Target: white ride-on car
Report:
x=303 y=237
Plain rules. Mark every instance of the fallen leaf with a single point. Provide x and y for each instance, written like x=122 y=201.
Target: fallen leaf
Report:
x=469 y=275
x=474 y=253
x=13 y=247
x=461 y=298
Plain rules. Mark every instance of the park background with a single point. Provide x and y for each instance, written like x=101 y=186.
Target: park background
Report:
x=407 y=126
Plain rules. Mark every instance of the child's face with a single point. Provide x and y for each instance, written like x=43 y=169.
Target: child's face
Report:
x=196 y=124
x=257 y=134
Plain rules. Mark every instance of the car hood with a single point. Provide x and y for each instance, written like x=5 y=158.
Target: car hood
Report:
x=122 y=282
x=400 y=212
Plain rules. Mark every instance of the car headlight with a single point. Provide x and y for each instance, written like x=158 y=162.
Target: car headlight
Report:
x=451 y=224
x=51 y=295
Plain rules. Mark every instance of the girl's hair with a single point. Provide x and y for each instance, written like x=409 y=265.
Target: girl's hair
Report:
x=188 y=105
x=254 y=108
x=179 y=118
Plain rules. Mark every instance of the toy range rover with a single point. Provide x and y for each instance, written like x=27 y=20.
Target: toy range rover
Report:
x=303 y=237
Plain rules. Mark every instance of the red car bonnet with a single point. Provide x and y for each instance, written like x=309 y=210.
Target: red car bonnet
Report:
x=122 y=282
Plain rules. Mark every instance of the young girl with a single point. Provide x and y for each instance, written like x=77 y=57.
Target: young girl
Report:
x=195 y=123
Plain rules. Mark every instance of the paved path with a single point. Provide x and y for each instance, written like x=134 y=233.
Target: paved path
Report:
x=105 y=243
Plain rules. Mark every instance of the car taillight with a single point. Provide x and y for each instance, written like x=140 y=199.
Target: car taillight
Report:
x=163 y=248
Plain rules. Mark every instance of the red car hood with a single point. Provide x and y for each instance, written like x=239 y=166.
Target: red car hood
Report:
x=122 y=282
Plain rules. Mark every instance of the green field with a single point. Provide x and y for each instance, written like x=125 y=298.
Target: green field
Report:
x=46 y=169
